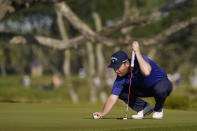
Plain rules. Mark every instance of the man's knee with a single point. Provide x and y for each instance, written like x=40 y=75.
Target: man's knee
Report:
x=162 y=89
x=161 y=93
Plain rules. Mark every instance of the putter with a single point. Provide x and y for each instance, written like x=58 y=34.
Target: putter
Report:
x=132 y=65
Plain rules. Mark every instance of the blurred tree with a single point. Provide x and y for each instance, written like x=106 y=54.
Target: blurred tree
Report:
x=100 y=60
x=165 y=33
x=2 y=61
x=66 y=64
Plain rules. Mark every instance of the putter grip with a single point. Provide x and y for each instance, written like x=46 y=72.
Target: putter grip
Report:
x=132 y=58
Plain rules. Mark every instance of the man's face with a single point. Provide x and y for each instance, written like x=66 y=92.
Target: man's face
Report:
x=123 y=69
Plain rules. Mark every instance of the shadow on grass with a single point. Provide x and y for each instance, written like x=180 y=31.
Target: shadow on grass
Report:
x=121 y=118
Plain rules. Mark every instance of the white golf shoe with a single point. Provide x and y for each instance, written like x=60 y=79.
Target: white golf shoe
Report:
x=141 y=114
x=158 y=115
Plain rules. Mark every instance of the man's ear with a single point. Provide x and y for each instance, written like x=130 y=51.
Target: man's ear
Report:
x=127 y=63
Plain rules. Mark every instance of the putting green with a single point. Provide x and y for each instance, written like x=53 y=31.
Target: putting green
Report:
x=57 y=117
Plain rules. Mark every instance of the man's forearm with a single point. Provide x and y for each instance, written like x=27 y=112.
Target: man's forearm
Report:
x=109 y=104
x=144 y=65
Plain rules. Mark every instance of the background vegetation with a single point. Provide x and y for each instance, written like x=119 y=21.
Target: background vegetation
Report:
x=176 y=53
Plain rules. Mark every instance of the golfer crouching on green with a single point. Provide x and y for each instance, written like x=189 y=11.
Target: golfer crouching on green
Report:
x=148 y=80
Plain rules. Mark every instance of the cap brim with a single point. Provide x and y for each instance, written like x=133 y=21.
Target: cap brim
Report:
x=114 y=65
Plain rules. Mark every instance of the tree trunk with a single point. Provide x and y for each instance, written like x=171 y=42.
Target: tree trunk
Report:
x=99 y=46
x=126 y=31
x=66 y=69
x=66 y=65
x=91 y=64
x=100 y=60
x=3 y=69
x=126 y=8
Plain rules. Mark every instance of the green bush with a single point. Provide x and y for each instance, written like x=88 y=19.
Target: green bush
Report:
x=178 y=102
x=192 y=90
x=19 y=94
x=13 y=90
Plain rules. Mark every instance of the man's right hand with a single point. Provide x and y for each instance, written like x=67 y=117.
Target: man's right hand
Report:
x=100 y=115
x=108 y=105
x=136 y=47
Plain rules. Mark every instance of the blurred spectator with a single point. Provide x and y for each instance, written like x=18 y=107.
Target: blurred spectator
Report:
x=110 y=76
x=110 y=82
x=26 y=81
x=82 y=72
x=193 y=78
x=97 y=81
x=55 y=83
x=36 y=68
x=175 y=79
x=170 y=77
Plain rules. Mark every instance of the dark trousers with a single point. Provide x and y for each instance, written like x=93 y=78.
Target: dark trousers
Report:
x=159 y=91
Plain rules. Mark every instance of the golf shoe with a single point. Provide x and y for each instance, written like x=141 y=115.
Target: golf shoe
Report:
x=141 y=114
x=158 y=115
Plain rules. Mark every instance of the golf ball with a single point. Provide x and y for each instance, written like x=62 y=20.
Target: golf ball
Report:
x=95 y=117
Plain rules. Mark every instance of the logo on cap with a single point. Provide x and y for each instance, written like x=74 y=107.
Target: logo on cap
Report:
x=113 y=59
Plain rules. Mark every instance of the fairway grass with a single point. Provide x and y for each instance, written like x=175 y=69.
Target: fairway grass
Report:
x=66 y=117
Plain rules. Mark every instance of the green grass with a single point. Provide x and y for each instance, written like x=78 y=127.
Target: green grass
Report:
x=52 y=110
x=59 y=117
